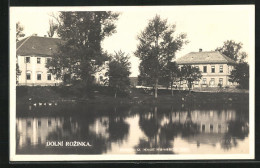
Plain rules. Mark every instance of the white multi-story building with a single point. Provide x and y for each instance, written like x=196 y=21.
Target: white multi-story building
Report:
x=33 y=53
x=214 y=66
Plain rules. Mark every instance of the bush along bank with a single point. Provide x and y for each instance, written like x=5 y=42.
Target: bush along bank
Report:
x=98 y=94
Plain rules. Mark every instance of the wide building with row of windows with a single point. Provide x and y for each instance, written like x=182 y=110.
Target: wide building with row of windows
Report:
x=32 y=55
x=214 y=66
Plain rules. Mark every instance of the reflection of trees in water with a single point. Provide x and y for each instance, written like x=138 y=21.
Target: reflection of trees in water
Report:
x=118 y=129
x=76 y=128
x=236 y=130
x=149 y=123
x=189 y=128
x=160 y=133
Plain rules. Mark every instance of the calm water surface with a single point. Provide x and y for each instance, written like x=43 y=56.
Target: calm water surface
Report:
x=132 y=129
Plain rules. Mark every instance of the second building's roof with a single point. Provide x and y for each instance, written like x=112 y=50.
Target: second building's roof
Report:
x=208 y=57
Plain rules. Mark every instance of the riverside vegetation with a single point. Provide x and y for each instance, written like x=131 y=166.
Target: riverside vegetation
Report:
x=102 y=94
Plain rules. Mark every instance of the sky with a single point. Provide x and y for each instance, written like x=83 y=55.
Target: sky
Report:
x=207 y=27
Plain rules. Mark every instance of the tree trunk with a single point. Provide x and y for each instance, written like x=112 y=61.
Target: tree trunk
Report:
x=189 y=87
x=156 y=88
x=115 y=93
x=171 y=88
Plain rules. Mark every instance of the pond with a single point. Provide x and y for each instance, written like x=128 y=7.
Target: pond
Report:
x=132 y=129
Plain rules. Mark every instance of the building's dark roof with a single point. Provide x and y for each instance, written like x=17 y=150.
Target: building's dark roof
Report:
x=35 y=45
x=208 y=57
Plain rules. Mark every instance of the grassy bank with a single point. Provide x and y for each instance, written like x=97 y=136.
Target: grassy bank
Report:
x=137 y=96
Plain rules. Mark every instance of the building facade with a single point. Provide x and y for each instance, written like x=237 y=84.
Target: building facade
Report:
x=33 y=53
x=214 y=66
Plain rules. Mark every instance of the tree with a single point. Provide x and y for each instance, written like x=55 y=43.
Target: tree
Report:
x=171 y=73
x=80 y=54
x=18 y=73
x=19 y=34
x=190 y=74
x=19 y=31
x=157 y=46
x=52 y=29
x=240 y=74
x=232 y=49
x=119 y=71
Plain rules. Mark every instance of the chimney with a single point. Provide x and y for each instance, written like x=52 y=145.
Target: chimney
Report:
x=200 y=50
x=45 y=35
x=35 y=34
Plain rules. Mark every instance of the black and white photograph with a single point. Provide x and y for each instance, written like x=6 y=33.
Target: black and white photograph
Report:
x=132 y=83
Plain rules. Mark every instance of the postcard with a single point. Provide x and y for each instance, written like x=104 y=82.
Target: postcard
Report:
x=132 y=83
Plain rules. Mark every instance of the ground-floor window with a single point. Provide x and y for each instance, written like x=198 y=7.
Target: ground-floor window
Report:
x=221 y=81
x=28 y=76
x=48 y=76
x=204 y=80
x=39 y=76
x=212 y=82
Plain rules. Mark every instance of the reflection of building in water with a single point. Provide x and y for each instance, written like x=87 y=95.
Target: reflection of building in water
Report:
x=100 y=127
x=209 y=121
x=33 y=131
x=213 y=125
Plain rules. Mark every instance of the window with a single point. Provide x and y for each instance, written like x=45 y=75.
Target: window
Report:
x=29 y=124
x=38 y=60
x=219 y=128
x=212 y=69
x=212 y=81
x=221 y=69
x=204 y=69
x=48 y=76
x=204 y=81
x=221 y=81
x=48 y=60
x=197 y=67
x=27 y=59
x=28 y=76
x=211 y=128
x=203 y=128
x=39 y=140
x=39 y=123
x=28 y=140
x=39 y=76
x=49 y=122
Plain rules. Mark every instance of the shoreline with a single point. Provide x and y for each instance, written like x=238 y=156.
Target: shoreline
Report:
x=32 y=95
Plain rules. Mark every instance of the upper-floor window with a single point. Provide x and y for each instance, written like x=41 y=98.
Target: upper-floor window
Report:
x=204 y=69
x=28 y=124
x=48 y=60
x=220 y=68
x=39 y=123
x=229 y=69
x=49 y=123
x=27 y=60
x=197 y=67
x=38 y=60
x=212 y=69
